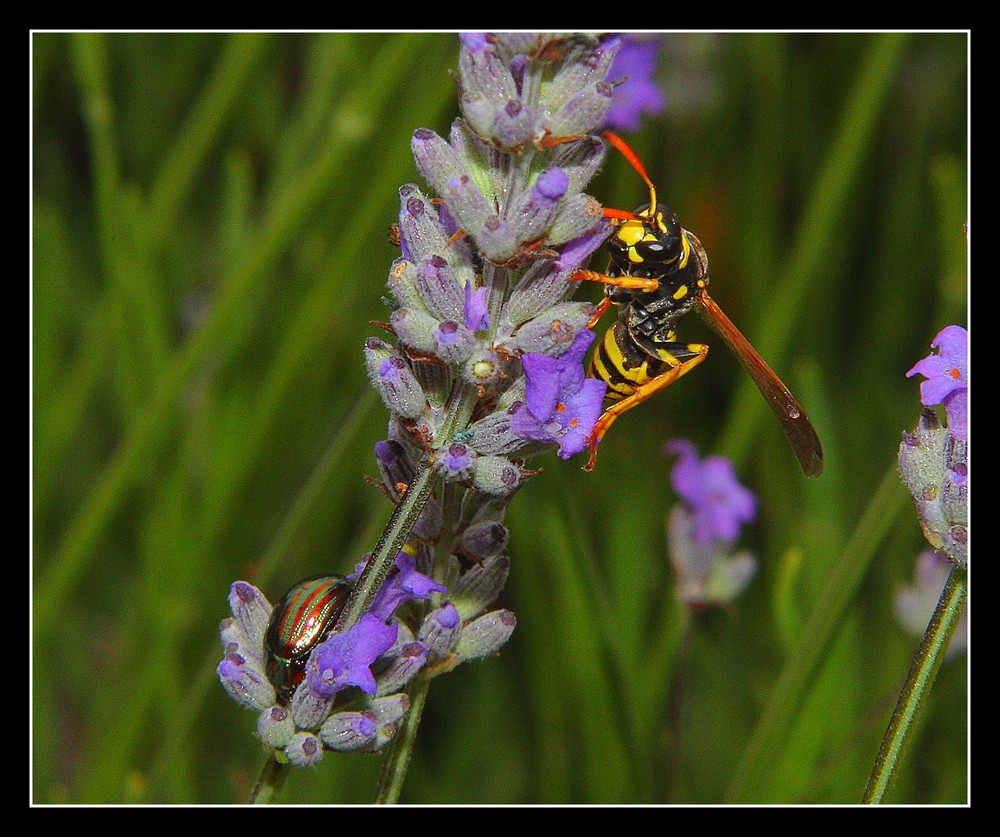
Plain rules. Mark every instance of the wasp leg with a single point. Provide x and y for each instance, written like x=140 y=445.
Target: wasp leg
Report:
x=599 y=311
x=681 y=359
x=637 y=283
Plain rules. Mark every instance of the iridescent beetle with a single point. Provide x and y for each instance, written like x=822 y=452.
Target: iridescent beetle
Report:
x=300 y=622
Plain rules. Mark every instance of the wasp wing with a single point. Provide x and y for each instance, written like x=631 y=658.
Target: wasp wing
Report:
x=799 y=430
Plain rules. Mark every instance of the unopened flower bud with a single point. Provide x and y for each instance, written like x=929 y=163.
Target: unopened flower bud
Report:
x=933 y=463
x=346 y=731
x=532 y=216
x=485 y=635
x=440 y=289
x=513 y=125
x=251 y=610
x=276 y=727
x=496 y=475
x=551 y=332
x=486 y=539
x=401 y=668
x=440 y=629
x=479 y=586
x=246 y=683
x=392 y=378
x=304 y=750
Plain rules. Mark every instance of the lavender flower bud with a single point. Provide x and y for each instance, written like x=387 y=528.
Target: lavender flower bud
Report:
x=492 y=434
x=245 y=683
x=436 y=160
x=479 y=587
x=577 y=216
x=346 y=731
x=231 y=634
x=584 y=112
x=251 y=610
x=481 y=160
x=534 y=213
x=497 y=241
x=544 y=284
x=416 y=329
x=513 y=126
x=479 y=113
x=392 y=378
x=484 y=540
x=453 y=342
x=440 y=289
x=304 y=750
x=276 y=727
x=933 y=463
x=440 y=630
x=580 y=161
x=402 y=666
x=309 y=708
x=484 y=72
x=485 y=635
x=551 y=332
x=576 y=76
x=402 y=282
x=467 y=204
x=496 y=475
x=389 y=709
x=457 y=462
x=420 y=230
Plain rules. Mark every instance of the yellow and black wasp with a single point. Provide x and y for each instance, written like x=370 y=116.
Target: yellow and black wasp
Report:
x=658 y=273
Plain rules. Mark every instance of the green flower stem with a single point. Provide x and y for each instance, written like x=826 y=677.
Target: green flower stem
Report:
x=272 y=777
x=918 y=683
x=393 y=538
x=397 y=758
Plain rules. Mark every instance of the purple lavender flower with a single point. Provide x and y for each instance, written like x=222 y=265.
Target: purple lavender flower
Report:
x=638 y=94
x=947 y=374
x=711 y=490
x=402 y=586
x=345 y=658
x=561 y=404
x=477 y=318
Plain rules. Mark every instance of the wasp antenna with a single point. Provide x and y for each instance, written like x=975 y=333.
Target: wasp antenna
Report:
x=635 y=162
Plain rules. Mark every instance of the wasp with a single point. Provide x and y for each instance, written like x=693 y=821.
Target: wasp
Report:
x=658 y=273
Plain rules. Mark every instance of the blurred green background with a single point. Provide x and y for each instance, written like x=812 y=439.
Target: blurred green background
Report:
x=209 y=246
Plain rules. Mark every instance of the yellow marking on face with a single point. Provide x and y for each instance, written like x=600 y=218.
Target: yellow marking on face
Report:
x=681 y=292
x=686 y=247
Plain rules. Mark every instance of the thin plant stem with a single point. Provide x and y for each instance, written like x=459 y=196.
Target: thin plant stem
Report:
x=918 y=683
x=397 y=759
x=272 y=777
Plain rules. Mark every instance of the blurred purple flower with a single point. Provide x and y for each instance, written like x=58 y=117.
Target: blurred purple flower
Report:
x=562 y=404
x=947 y=374
x=638 y=95
x=709 y=486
